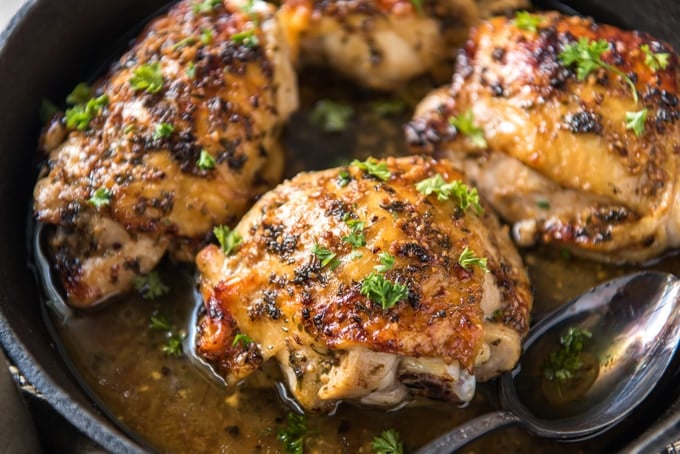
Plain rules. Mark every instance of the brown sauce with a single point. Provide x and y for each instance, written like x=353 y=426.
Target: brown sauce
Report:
x=175 y=406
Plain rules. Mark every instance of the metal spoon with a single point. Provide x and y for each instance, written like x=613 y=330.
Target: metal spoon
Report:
x=634 y=322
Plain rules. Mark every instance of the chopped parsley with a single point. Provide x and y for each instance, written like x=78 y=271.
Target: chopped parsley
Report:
x=80 y=94
x=354 y=255
x=388 y=107
x=382 y=291
x=244 y=339
x=326 y=257
x=561 y=365
x=635 y=121
x=101 y=197
x=191 y=70
x=467 y=259
x=386 y=262
x=465 y=124
x=229 y=239
x=356 y=237
x=205 y=161
x=292 y=436
x=173 y=344
x=246 y=38
x=147 y=77
x=387 y=443
x=206 y=36
x=163 y=130
x=80 y=115
x=466 y=195
x=331 y=116
x=655 y=60
x=524 y=20
x=373 y=167
x=150 y=285
x=586 y=56
x=188 y=41
x=343 y=178
x=543 y=204
x=206 y=6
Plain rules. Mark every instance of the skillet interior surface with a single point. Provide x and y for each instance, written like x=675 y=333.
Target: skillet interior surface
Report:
x=47 y=48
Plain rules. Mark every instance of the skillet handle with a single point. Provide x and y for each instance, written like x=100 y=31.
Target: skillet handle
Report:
x=470 y=431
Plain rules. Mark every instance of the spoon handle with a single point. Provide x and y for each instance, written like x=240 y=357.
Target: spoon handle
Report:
x=470 y=431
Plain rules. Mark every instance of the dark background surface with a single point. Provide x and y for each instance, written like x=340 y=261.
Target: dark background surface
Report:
x=49 y=46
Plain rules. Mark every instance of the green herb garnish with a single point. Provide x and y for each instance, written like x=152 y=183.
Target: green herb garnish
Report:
x=388 y=107
x=387 y=443
x=163 y=130
x=467 y=259
x=206 y=36
x=418 y=6
x=80 y=94
x=464 y=124
x=466 y=195
x=229 y=239
x=354 y=255
x=160 y=322
x=382 y=291
x=343 y=178
x=543 y=204
x=244 y=339
x=191 y=70
x=374 y=168
x=173 y=344
x=635 y=121
x=655 y=61
x=205 y=161
x=292 y=436
x=147 y=77
x=80 y=115
x=188 y=41
x=101 y=197
x=386 y=262
x=326 y=257
x=331 y=116
x=246 y=38
x=150 y=285
x=562 y=364
x=356 y=237
x=206 y=6
x=524 y=20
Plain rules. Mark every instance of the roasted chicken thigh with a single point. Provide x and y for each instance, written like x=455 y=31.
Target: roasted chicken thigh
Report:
x=371 y=283
x=180 y=136
x=570 y=129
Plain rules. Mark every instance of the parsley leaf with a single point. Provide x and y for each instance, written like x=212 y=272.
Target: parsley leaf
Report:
x=467 y=259
x=188 y=41
x=206 y=36
x=160 y=322
x=246 y=38
x=331 y=116
x=635 y=121
x=101 y=197
x=326 y=257
x=150 y=285
x=205 y=161
x=466 y=195
x=374 y=168
x=191 y=70
x=354 y=255
x=229 y=239
x=561 y=365
x=524 y=20
x=356 y=237
x=163 y=130
x=464 y=124
x=173 y=344
x=206 y=6
x=147 y=77
x=387 y=443
x=388 y=107
x=586 y=55
x=80 y=94
x=292 y=437
x=386 y=262
x=244 y=339
x=382 y=291
x=655 y=61
x=343 y=178
x=80 y=115
x=543 y=204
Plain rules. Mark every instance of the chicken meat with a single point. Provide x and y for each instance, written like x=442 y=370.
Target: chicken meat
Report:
x=369 y=283
x=382 y=43
x=570 y=129
x=181 y=135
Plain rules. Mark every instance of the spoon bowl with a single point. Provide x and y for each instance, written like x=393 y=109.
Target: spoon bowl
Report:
x=635 y=326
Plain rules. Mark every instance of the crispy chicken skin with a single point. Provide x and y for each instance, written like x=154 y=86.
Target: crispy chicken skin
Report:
x=221 y=95
x=381 y=43
x=335 y=343
x=561 y=163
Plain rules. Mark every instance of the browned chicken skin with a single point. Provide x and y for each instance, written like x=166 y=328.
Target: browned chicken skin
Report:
x=227 y=88
x=279 y=296
x=561 y=163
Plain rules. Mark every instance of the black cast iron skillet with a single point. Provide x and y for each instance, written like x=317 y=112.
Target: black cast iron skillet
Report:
x=48 y=47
